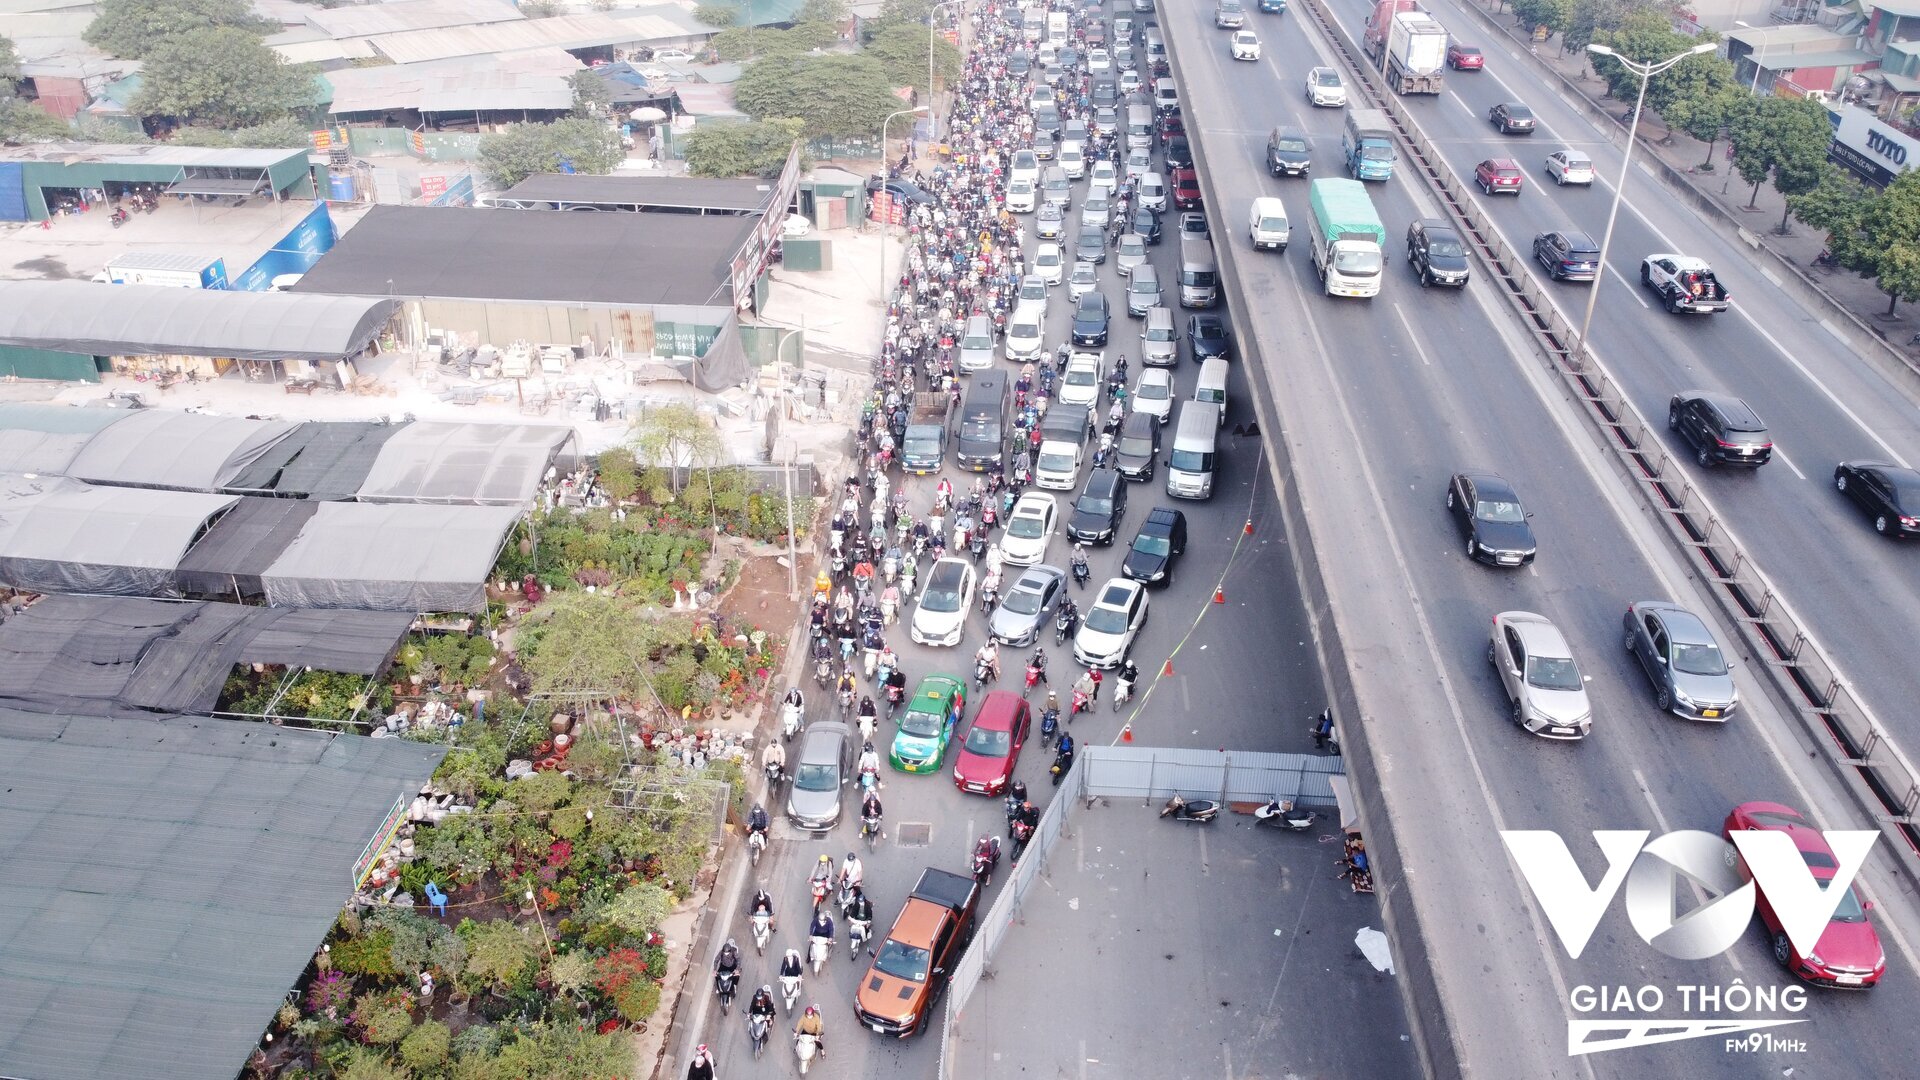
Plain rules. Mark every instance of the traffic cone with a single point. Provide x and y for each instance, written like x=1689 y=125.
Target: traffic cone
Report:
x=1166 y=670
x=1249 y=529
x=1219 y=594
x=1126 y=734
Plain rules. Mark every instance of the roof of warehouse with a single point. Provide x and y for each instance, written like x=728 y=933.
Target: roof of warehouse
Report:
x=322 y=460
x=169 y=878
x=72 y=153
x=468 y=253
x=144 y=320
x=45 y=439
x=681 y=192
x=532 y=79
x=169 y=449
x=565 y=31
x=403 y=15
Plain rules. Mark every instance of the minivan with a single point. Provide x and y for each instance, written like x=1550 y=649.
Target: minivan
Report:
x=983 y=421
x=1166 y=96
x=1152 y=192
x=1139 y=127
x=1190 y=465
x=1156 y=44
x=976 y=345
x=1212 y=387
x=1143 y=290
x=1267 y=224
x=1159 y=341
x=1199 y=272
x=1055 y=187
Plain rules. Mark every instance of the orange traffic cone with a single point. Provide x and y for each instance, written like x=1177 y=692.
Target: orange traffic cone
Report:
x=1166 y=670
x=1126 y=733
x=1219 y=594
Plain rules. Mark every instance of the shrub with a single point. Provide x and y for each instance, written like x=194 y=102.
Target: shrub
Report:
x=329 y=994
x=477 y=1041
x=498 y=953
x=639 y=909
x=384 y=1017
x=425 y=1047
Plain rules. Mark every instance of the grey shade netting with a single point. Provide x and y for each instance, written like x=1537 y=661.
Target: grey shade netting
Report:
x=60 y=535
x=164 y=448
x=438 y=462
x=168 y=879
x=228 y=562
x=46 y=438
x=122 y=654
x=317 y=460
x=391 y=557
x=154 y=320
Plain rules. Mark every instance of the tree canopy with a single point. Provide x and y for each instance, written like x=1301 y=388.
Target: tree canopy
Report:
x=902 y=52
x=756 y=148
x=9 y=64
x=220 y=76
x=1782 y=138
x=511 y=155
x=832 y=95
x=1880 y=237
x=135 y=29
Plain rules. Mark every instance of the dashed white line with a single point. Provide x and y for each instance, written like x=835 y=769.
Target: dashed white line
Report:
x=1411 y=336
x=1633 y=287
x=1699 y=894
x=1782 y=455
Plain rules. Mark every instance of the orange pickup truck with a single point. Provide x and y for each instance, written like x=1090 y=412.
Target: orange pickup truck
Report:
x=896 y=996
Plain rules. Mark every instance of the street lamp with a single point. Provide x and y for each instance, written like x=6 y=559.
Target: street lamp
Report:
x=933 y=24
x=917 y=110
x=1755 y=88
x=780 y=402
x=1646 y=73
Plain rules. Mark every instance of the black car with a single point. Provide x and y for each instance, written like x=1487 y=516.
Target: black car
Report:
x=901 y=190
x=1512 y=118
x=1435 y=252
x=1138 y=446
x=1046 y=121
x=1568 y=255
x=1160 y=541
x=1207 y=336
x=1097 y=512
x=1091 y=244
x=1888 y=492
x=1179 y=153
x=1146 y=223
x=1288 y=152
x=1069 y=57
x=1019 y=65
x=1090 y=319
x=1106 y=94
x=1491 y=518
x=1721 y=428
x=1193 y=223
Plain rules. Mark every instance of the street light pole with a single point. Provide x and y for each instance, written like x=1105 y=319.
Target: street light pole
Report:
x=1759 y=61
x=933 y=23
x=780 y=402
x=915 y=111
x=1646 y=73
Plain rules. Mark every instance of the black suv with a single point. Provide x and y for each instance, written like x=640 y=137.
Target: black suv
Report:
x=1288 y=152
x=1721 y=429
x=1179 y=154
x=1139 y=445
x=1568 y=255
x=1098 y=510
x=1511 y=118
x=1090 y=320
x=1435 y=252
x=1160 y=541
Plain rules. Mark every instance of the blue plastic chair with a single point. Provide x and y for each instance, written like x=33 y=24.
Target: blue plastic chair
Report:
x=437 y=899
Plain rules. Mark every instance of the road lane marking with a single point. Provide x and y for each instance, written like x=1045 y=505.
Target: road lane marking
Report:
x=1462 y=102
x=1633 y=287
x=1411 y=336
x=1782 y=455
x=1660 y=817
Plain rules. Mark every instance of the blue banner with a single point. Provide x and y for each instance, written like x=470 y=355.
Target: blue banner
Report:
x=295 y=253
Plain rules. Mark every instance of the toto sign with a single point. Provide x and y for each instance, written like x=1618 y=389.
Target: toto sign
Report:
x=1875 y=151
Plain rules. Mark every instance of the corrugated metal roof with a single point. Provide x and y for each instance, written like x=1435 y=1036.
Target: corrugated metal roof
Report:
x=565 y=31
x=703 y=99
x=369 y=20
x=44 y=24
x=148 y=154
x=533 y=79
x=666 y=23
x=325 y=50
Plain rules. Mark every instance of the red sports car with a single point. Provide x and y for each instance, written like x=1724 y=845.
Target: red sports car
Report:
x=1849 y=952
x=1464 y=57
x=992 y=746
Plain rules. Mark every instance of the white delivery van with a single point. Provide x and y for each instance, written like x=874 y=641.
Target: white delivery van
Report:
x=1267 y=224
x=1190 y=465
x=1211 y=389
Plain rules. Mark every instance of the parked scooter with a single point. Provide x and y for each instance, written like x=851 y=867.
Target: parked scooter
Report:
x=1200 y=810
x=1284 y=815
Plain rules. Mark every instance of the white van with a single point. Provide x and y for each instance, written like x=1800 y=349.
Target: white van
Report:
x=1212 y=387
x=1166 y=96
x=1057 y=27
x=1139 y=127
x=1190 y=465
x=1267 y=224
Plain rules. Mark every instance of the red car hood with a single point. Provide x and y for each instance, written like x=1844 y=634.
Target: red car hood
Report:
x=1850 y=945
x=974 y=767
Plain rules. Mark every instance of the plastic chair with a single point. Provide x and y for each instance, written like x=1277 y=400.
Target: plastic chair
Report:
x=437 y=899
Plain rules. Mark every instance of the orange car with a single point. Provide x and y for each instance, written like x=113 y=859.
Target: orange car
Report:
x=910 y=968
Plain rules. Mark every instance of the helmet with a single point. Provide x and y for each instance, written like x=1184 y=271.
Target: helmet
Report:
x=869 y=744
x=825 y=858
x=731 y=944
x=813 y=1010
x=851 y=857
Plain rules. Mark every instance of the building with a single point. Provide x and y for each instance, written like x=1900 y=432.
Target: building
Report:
x=37 y=180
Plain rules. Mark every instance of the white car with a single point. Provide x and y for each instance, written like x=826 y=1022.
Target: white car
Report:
x=1570 y=167
x=1103 y=176
x=1129 y=82
x=1153 y=394
x=1083 y=280
x=1107 y=631
x=1324 y=87
x=1130 y=251
x=1020 y=197
x=1245 y=45
x=1048 y=55
x=1029 y=529
x=1099 y=61
x=1026 y=166
x=1033 y=297
x=672 y=56
x=1542 y=683
x=1152 y=192
x=1080 y=383
x=1048 y=264
x=945 y=600
x=1050 y=221
x=1139 y=163
x=1025 y=341
x=1073 y=159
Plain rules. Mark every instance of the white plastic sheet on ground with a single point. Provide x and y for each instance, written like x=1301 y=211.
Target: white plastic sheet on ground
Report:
x=1373 y=945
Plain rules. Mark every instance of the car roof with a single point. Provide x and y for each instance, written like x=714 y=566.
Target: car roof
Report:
x=1038 y=575
x=1099 y=480
x=824 y=737
x=1502 y=163
x=1117 y=592
x=1139 y=423
x=1207 y=319
x=1682 y=625
x=1162 y=515
x=919 y=921
x=1577 y=239
x=956 y=568
x=1491 y=485
x=1515 y=106
x=1032 y=499
x=1434 y=224
x=1573 y=155
x=1737 y=413
x=1540 y=636
x=1806 y=838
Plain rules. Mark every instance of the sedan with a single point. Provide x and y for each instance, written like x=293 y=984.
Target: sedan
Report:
x=1030 y=526
x=1491 y=517
x=823 y=765
x=1080 y=382
x=1570 y=167
x=1096 y=211
x=1048 y=264
x=1325 y=88
x=1544 y=686
x=1049 y=221
x=1179 y=152
x=1106 y=633
x=1682 y=658
x=1153 y=394
x=1464 y=57
x=1888 y=493
x=1139 y=163
x=1512 y=118
x=944 y=602
x=1145 y=224
x=1131 y=252
x=1848 y=952
x=1103 y=177
x=992 y=746
x=1082 y=279
x=1496 y=175
x=1245 y=45
x=927 y=727
x=1091 y=244
x=1568 y=255
x=1207 y=336
x=1090 y=320
x=1023 y=613
x=1436 y=254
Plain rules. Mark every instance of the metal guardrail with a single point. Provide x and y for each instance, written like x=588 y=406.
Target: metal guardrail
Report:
x=1880 y=775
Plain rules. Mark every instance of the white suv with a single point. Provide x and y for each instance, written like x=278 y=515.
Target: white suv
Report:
x=944 y=602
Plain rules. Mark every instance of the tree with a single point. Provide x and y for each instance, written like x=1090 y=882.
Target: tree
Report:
x=831 y=12
x=9 y=65
x=220 y=76
x=134 y=29
x=591 y=643
x=834 y=95
x=1703 y=114
x=1555 y=15
x=22 y=121
x=717 y=14
x=575 y=144
x=591 y=94
x=675 y=437
x=902 y=52
x=285 y=133
x=1887 y=246
x=900 y=13
x=1801 y=140
x=756 y=148
x=1834 y=207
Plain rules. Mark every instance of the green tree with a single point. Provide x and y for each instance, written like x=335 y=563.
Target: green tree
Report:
x=639 y=909
x=902 y=51
x=831 y=12
x=718 y=14
x=833 y=95
x=591 y=94
x=1801 y=141
x=589 y=643
x=285 y=133
x=756 y=148
x=9 y=65
x=1834 y=207
x=561 y=1051
x=1703 y=113
x=424 y=1050
x=134 y=29
x=1649 y=37
x=521 y=150
x=1555 y=15
x=899 y=13
x=677 y=436
x=1887 y=246
x=22 y=121
x=220 y=76
x=1593 y=17
x=498 y=952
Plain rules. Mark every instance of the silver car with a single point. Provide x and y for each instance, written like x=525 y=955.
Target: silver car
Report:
x=1536 y=669
x=1048 y=222
x=1690 y=674
x=1096 y=210
x=1025 y=609
x=823 y=766
x=1129 y=253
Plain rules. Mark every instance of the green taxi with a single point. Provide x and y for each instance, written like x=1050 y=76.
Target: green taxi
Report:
x=932 y=713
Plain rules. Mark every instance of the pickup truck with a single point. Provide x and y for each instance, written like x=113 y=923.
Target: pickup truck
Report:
x=1684 y=283
x=923 y=446
x=896 y=996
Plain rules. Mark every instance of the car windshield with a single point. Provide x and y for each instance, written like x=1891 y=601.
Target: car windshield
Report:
x=1047 y=258
x=1160 y=334
x=1326 y=78
x=1132 y=245
x=1098 y=507
x=1050 y=462
x=1519 y=112
x=817 y=777
x=975 y=342
x=1083 y=275
x=1082 y=376
x=1210 y=334
x=1026 y=526
x=1033 y=289
x=1444 y=247
x=980 y=430
x=1498 y=510
x=1136 y=447
x=1193 y=461
x=1024 y=330
x=1151 y=545
x=1695 y=659
x=925 y=725
x=1106 y=620
x=1143 y=285
x=1022 y=602
x=1377 y=153
x=1552 y=673
x=902 y=961
x=920 y=445
x=983 y=743
x=1293 y=146
x=1357 y=263
x=1151 y=391
x=1850 y=909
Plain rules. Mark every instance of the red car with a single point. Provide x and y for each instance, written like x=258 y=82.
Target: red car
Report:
x=1171 y=125
x=992 y=746
x=1464 y=57
x=1186 y=189
x=1496 y=175
x=1849 y=952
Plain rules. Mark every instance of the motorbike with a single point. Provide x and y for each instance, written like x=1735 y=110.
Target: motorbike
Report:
x=870 y=660
x=1284 y=815
x=895 y=698
x=846 y=700
x=1122 y=693
x=762 y=931
x=725 y=984
x=1064 y=625
x=1081 y=572
x=1062 y=765
x=790 y=988
x=1325 y=735
x=1081 y=703
x=792 y=713
x=819 y=887
x=775 y=774
x=869 y=781
x=757 y=1027
x=1049 y=726
x=756 y=846
x=982 y=672
x=1200 y=810
x=806 y=1046
x=119 y=217
x=823 y=672
x=869 y=829
x=867 y=722
x=986 y=856
x=818 y=949
x=1022 y=833
x=858 y=930
x=977 y=544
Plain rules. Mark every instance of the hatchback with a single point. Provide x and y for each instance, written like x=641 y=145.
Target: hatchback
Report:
x=1689 y=672
x=1721 y=428
x=1026 y=608
x=1129 y=253
x=1208 y=337
x=1568 y=255
x=992 y=747
x=1497 y=175
x=1543 y=685
x=1030 y=527
x=1570 y=167
x=1153 y=394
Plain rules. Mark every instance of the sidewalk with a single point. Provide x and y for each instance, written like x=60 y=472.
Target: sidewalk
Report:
x=1718 y=184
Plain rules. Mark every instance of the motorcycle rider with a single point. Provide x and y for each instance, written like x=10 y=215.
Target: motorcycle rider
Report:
x=1081 y=571
x=860 y=910
x=852 y=874
x=762 y=904
x=869 y=763
x=791 y=967
x=822 y=877
x=773 y=756
x=810 y=1025
x=1037 y=666
x=896 y=686
x=1089 y=684
x=701 y=1067
x=757 y=820
x=1124 y=682
x=728 y=960
x=870 y=805
x=988 y=659
x=822 y=926
x=762 y=1004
